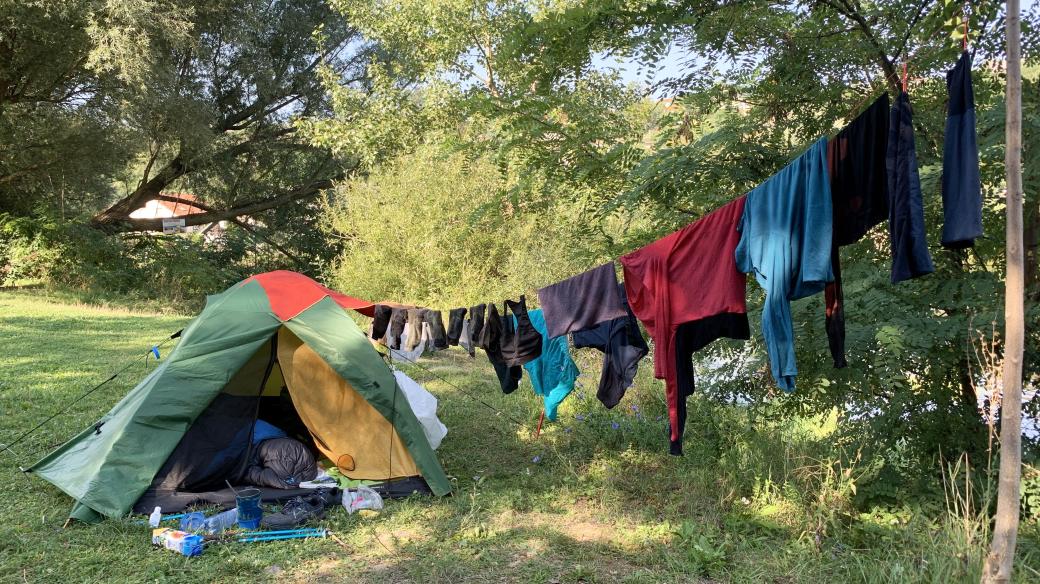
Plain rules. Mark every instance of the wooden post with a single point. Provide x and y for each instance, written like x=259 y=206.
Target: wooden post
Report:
x=1001 y=558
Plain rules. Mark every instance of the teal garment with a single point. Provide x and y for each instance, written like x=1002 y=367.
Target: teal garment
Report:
x=553 y=373
x=785 y=240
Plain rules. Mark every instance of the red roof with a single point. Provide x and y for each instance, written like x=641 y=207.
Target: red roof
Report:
x=181 y=209
x=291 y=293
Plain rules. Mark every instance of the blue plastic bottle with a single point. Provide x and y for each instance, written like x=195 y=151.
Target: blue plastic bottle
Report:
x=222 y=521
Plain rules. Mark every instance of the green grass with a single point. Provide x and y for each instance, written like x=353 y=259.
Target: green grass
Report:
x=585 y=502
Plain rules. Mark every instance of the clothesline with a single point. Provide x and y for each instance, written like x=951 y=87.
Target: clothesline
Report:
x=689 y=287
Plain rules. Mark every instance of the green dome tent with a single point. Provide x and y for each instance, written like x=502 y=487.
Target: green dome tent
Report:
x=278 y=346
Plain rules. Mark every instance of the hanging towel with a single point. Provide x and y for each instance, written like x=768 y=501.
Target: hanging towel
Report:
x=859 y=195
x=910 y=258
x=581 y=301
x=424 y=406
x=623 y=347
x=961 y=185
x=687 y=277
x=785 y=240
x=420 y=345
x=553 y=373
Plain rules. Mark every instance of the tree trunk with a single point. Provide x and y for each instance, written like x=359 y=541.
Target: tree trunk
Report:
x=1001 y=558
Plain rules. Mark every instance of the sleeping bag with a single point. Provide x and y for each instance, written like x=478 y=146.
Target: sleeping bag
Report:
x=281 y=463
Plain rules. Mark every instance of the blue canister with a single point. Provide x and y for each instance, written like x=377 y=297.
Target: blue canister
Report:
x=249 y=510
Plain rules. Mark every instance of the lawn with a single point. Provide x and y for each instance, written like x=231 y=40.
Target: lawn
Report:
x=595 y=498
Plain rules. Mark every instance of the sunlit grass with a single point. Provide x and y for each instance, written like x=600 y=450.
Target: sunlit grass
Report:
x=595 y=498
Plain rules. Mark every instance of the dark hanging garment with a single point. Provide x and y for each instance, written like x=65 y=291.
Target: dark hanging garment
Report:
x=581 y=301
x=910 y=257
x=490 y=336
x=490 y=339
x=380 y=321
x=508 y=377
x=413 y=329
x=859 y=193
x=398 y=316
x=456 y=318
x=437 y=333
x=521 y=343
x=476 y=324
x=961 y=185
x=623 y=347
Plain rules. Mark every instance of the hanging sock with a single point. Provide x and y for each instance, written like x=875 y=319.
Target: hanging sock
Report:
x=380 y=320
x=398 y=317
x=910 y=257
x=961 y=184
x=476 y=325
x=438 y=335
x=456 y=318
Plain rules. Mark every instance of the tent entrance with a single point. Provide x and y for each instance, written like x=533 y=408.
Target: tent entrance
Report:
x=288 y=385
x=345 y=428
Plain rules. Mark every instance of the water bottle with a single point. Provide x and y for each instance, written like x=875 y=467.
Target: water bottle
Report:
x=155 y=517
x=222 y=521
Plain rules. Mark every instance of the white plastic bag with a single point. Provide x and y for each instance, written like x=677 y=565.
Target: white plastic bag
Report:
x=424 y=405
x=361 y=498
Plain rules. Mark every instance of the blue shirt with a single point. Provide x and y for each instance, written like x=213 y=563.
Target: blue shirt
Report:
x=785 y=240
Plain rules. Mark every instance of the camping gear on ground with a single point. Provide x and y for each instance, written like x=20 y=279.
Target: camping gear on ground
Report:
x=277 y=342
x=424 y=404
x=182 y=542
x=281 y=463
x=276 y=535
x=247 y=501
x=296 y=511
x=155 y=517
x=322 y=480
x=221 y=521
x=361 y=498
x=193 y=521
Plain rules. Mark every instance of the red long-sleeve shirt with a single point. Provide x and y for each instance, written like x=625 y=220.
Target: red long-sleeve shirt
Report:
x=687 y=276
